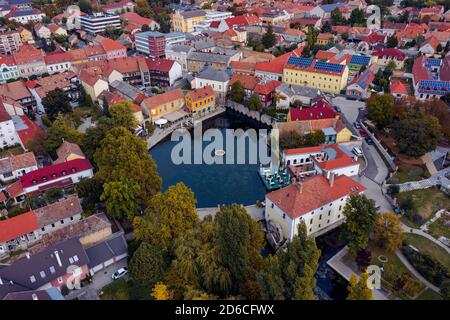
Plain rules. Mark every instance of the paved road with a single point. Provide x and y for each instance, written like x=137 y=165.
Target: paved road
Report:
x=100 y=279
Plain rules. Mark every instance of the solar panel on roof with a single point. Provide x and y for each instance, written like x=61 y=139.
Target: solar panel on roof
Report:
x=329 y=67
x=433 y=62
x=300 y=61
x=363 y=60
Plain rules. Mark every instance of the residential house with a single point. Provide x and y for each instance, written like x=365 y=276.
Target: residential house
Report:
x=69 y=151
x=56 y=175
x=386 y=55
x=30 y=61
x=217 y=79
x=316 y=111
x=289 y=93
x=134 y=19
x=431 y=77
x=243 y=67
x=325 y=39
x=8 y=69
x=429 y=48
x=71 y=14
x=254 y=85
x=163 y=72
x=42 y=31
x=55 y=266
x=273 y=69
x=244 y=20
x=113 y=49
x=179 y=53
x=115 y=97
x=23 y=16
x=398 y=89
x=162 y=104
x=58 y=62
x=26 y=129
x=14 y=166
x=57 y=30
x=118 y=7
x=93 y=82
x=45 y=294
x=10 y=41
x=201 y=101
x=18 y=232
x=317 y=202
x=18 y=92
x=197 y=60
x=360 y=86
x=293 y=35
x=107 y=252
x=25 y=35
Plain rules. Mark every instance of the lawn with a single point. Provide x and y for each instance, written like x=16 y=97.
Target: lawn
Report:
x=393 y=269
x=125 y=289
x=426 y=202
x=427 y=246
x=429 y=294
x=438 y=228
x=410 y=172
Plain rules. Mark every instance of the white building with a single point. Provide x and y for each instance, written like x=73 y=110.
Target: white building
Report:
x=316 y=201
x=42 y=31
x=25 y=16
x=217 y=79
x=98 y=22
x=8 y=134
x=211 y=15
x=179 y=53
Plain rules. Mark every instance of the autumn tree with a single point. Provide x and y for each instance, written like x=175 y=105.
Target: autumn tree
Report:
x=388 y=231
x=36 y=144
x=122 y=115
x=358 y=289
x=148 y=264
x=291 y=139
x=168 y=215
x=360 y=216
x=290 y=273
x=417 y=133
x=161 y=292
x=123 y=157
x=315 y=138
x=237 y=92
x=121 y=198
x=438 y=109
x=380 y=108
x=56 y=102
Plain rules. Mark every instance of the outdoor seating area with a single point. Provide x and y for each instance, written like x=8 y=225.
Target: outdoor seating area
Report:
x=280 y=179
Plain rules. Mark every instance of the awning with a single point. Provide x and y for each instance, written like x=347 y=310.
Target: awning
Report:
x=161 y=122
x=176 y=115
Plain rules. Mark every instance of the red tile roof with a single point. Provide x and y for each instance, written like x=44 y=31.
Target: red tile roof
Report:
x=267 y=88
x=54 y=171
x=299 y=114
x=134 y=18
x=390 y=52
x=17 y=226
x=398 y=87
x=314 y=193
x=162 y=65
x=249 y=82
x=28 y=54
x=324 y=55
x=111 y=45
x=200 y=94
x=163 y=98
x=14 y=189
x=30 y=132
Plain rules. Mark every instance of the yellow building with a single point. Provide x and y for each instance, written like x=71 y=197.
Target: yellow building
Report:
x=327 y=77
x=344 y=135
x=325 y=38
x=201 y=101
x=25 y=35
x=184 y=21
x=163 y=104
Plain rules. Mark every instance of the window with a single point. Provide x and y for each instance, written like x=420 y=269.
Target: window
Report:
x=42 y=229
x=52 y=269
x=75 y=258
x=71 y=260
x=62 y=221
x=284 y=215
x=42 y=273
x=328 y=221
x=340 y=208
x=53 y=225
x=319 y=225
x=271 y=205
x=311 y=221
x=71 y=218
x=329 y=212
x=60 y=280
x=32 y=279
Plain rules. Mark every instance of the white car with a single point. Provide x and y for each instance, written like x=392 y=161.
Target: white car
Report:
x=357 y=151
x=120 y=273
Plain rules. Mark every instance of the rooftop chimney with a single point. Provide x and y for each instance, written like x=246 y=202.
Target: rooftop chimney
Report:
x=27 y=254
x=299 y=187
x=58 y=258
x=331 y=180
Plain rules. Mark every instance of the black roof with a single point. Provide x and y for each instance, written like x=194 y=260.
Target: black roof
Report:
x=106 y=250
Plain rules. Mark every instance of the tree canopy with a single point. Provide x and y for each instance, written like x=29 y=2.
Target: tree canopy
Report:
x=380 y=109
x=360 y=216
x=56 y=102
x=122 y=115
x=358 y=289
x=269 y=39
x=237 y=92
x=388 y=231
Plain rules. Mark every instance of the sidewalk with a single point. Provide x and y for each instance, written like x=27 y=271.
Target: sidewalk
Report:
x=426 y=235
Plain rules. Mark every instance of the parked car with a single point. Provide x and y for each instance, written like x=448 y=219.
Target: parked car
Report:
x=120 y=273
x=357 y=125
x=362 y=133
x=337 y=109
x=362 y=109
x=357 y=151
x=369 y=140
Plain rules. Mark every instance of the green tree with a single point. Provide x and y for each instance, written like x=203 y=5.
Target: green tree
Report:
x=269 y=39
x=121 y=198
x=388 y=231
x=85 y=6
x=94 y=136
x=392 y=42
x=296 y=267
x=291 y=139
x=358 y=289
x=254 y=103
x=167 y=216
x=59 y=132
x=380 y=109
x=363 y=259
x=89 y=190
x=105 y=109
x=357 y=17
x=240 y=242
x=148 y=264
x=206 y=5
x=360 y=216
x=122 y=115
x=417 y=133
x=123 y=156
x=237 y=92
x=336 y=17
x=56 y=102
x=53 y=194
x=445 y=289
x=85 y=100
x=315 y=138
x=311 y=37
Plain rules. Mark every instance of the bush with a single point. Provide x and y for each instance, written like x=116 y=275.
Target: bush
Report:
x=393 y=190
x=46 y=121
x=428 y=267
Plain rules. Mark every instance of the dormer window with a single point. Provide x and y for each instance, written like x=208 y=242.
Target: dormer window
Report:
x=44 y=178
x=73 y=169
x=53 y=175
x=34 y=181
x=64 y=172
